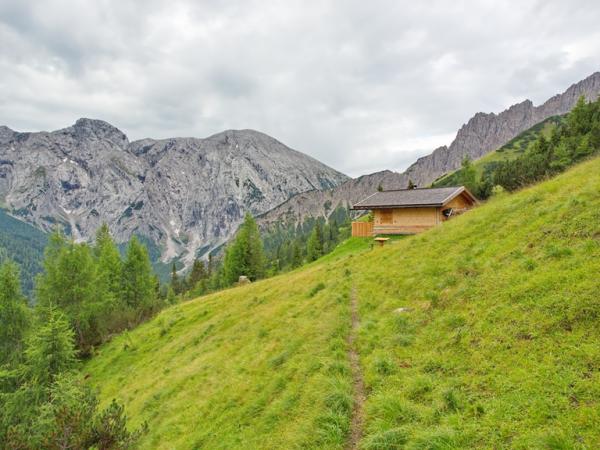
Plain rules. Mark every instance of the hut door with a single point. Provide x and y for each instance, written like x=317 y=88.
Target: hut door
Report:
x=386 y=216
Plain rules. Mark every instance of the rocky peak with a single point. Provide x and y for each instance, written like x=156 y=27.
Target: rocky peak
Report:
x=187 y=195
x=485 y=132
x=5 y=133
x=94 y=129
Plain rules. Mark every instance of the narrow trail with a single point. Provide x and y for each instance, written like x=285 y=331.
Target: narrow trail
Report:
x=356 y=424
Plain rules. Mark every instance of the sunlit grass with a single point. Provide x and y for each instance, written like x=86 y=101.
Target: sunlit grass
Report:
x=496 y=344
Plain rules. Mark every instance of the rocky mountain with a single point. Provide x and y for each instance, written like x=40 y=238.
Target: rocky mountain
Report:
x=483 y=133
x=187 y=195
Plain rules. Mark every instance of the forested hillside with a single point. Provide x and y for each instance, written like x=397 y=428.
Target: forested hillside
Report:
x=485 y=166
x=480 y=333
x=83 y=296
x=23 y=244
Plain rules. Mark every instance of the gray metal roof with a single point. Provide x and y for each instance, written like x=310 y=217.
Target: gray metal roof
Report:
x=405 y=198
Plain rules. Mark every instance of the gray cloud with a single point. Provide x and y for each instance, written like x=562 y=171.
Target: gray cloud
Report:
x=362 y=86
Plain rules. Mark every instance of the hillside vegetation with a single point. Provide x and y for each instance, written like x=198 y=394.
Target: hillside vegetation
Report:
x=482 y=333
x=544 y=151
x=514 y=148
x=23 y=244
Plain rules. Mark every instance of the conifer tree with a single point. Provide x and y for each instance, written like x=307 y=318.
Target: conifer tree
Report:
x=14 y=315
x=50 y=350
x=245 y=256
x=109 y=264
x=197 y=274
x=69 y=282
x=296 y=254
x=175 y=282
x=314 y=247
x=136 y=277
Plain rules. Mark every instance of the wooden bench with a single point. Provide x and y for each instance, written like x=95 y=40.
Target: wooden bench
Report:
x=381 y=240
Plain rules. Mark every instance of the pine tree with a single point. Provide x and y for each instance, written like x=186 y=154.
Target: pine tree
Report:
x=14 y=315
x=411 y=185
x=137 y=282
x=245 y=256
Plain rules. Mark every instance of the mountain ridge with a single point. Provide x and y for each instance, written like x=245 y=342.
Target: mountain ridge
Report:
x=186 y=194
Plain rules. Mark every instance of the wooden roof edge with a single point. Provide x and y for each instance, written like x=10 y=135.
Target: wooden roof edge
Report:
x=412 y=205
x=360 y=201
x=461 y=190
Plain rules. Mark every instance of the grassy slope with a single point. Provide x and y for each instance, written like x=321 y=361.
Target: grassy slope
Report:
x=498 y=348
x=509 y=151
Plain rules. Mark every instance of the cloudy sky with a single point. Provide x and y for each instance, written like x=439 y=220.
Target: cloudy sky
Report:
x=360 y=85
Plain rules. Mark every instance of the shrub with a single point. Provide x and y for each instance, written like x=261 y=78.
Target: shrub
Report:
x=315 y=289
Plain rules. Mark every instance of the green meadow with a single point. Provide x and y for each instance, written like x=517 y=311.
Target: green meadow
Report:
x=481 y=333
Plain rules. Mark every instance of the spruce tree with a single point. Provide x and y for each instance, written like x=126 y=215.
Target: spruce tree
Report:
x=314 y=246
x=197 y=274
x=296 y=254
x=175 y=282
x=14 y=315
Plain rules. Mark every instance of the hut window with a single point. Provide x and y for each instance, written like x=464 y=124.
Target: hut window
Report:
x=386 y=216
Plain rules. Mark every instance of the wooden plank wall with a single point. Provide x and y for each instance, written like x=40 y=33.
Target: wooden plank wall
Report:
x=362 y=229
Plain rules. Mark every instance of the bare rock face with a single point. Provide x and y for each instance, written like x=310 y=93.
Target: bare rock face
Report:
x=482 y=134
x=187 y=195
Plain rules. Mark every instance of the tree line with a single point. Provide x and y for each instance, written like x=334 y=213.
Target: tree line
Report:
x=84 y=294
x=574 y=140
x=250 y=255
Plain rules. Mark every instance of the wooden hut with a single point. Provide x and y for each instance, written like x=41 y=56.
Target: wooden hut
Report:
x=409 y=211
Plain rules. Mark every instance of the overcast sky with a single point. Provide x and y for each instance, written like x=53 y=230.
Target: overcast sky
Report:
x=360 y=85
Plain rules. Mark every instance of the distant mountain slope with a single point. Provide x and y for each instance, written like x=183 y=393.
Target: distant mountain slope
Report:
x=23 y=244
x=187 y=195
x=511 y=150
x=480 y=135
x=486 y=132
x=481 y=333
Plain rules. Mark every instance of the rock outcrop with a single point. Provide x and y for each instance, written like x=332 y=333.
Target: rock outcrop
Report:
x=484 y=133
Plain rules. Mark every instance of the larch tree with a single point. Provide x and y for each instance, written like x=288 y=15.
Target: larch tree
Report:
x=109 y=264
x=245 y=256
x=137 y=283
x=50 y=351
x=14 y=315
